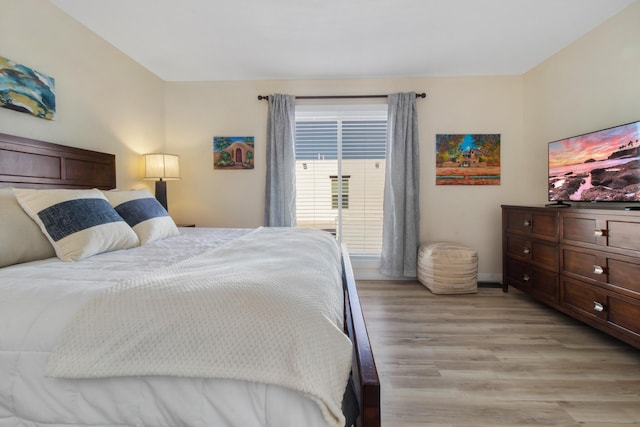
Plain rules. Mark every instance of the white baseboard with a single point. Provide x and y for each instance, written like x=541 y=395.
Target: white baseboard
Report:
x=485 y=277
x=365 y=267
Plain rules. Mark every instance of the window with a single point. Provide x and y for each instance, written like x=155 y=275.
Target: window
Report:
x=336 y=192
x=340 y=166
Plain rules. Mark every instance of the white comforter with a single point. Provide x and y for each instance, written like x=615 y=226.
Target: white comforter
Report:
x=34 y=309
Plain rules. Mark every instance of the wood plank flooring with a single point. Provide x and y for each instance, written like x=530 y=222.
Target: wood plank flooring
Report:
x=493 y=359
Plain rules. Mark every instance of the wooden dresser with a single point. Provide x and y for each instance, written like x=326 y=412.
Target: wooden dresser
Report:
x=583 y=262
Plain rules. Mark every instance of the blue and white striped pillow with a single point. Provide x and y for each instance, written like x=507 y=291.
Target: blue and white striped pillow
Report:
x=78 y=223
x=144 y=214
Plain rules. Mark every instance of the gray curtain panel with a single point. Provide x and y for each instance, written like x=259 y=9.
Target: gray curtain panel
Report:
x=280 y=191
x=400 y=230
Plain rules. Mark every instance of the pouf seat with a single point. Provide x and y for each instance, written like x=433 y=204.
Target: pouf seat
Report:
x=448 y=268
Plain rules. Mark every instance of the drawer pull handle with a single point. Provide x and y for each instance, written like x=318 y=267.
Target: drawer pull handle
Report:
x=597 y=269
x=598 y=307
x=526 y=250
x=526 y=278
x=527 y=223
x=598 y=233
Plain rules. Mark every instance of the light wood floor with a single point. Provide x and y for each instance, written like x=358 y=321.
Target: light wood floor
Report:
x=493 y=359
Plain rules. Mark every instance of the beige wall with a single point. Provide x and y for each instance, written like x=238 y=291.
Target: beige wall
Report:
x=104 y=100
x=107 y=102
x=196 y=112
x=589 y=85
x=592 y=84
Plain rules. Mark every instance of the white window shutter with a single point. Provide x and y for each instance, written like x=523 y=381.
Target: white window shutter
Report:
x=347 y=146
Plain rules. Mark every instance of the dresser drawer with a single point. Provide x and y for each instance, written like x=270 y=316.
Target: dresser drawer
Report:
x=543 y=284
x=607 y=310
x=540 y=253
x=623 y=234
x=607 y=268
x=613 y=232
x=624 y=313
x=539 y=224
x=585 y=300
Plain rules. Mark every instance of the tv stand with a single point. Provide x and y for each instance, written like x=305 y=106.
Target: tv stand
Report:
x=582 y=262
x=558 y=204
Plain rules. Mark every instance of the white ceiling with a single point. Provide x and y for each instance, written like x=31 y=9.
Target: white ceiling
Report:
x=204 y=40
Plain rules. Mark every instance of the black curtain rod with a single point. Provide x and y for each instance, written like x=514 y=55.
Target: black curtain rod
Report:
x=266 y=97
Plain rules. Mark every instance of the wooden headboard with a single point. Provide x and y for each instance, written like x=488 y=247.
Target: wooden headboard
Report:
x=31 y=163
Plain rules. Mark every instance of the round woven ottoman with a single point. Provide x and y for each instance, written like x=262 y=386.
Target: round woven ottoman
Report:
x=448 y=268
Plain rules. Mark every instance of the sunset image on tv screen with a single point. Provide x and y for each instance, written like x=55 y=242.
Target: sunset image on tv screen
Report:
x=597 y=166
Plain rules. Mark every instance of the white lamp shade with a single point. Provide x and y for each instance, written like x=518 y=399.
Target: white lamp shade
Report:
x=161 y=166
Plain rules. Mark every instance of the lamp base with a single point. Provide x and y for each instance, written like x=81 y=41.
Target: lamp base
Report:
x=161 y=193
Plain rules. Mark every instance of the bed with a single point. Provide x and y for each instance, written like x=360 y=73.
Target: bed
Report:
x=64 y=362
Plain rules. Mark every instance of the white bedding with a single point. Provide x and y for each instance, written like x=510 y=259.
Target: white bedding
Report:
x=34 y=309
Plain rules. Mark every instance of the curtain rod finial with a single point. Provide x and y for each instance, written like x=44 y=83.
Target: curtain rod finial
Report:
x=421 y=95
x=261 y=97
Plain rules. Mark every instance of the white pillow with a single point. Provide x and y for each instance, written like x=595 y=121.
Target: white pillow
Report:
x=144 y=214
x=78 y=223
x=20 y=238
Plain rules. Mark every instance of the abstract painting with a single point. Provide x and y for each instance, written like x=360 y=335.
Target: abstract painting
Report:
x=233 y=152
x=26 y=90
x=468 y=159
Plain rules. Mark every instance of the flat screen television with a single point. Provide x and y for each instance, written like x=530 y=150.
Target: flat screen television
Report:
x=601 y=166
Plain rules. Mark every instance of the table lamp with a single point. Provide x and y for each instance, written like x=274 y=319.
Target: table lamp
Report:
x=161 y=168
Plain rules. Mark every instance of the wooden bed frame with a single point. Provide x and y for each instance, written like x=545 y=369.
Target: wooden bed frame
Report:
x=31 y=163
